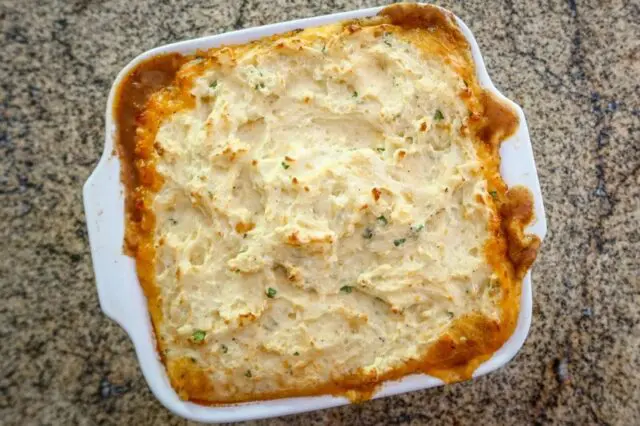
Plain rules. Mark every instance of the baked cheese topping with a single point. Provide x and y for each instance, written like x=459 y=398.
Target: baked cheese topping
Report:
x=320 y=211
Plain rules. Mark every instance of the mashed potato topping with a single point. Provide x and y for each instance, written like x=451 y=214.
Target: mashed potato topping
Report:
x=325 y=218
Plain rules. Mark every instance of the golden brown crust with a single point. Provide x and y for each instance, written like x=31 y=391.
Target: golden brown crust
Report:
x=415 y=16
x=471 y=339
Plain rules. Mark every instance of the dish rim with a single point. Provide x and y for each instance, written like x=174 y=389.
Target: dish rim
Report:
x=119 y=291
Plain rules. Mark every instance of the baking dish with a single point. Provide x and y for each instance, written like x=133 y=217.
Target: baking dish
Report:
x=121 y=297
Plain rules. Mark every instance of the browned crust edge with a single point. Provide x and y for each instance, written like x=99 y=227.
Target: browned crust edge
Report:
x=471 y=339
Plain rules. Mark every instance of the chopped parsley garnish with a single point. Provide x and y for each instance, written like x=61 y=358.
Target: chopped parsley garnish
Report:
x=355 y=94
x=198 y=336
x=224 y=349
x=380 y=149
x=271 y=293
x=494 y=194
x=417 y=228
x=346 y=288
x=248 y=373
x=296 y=353
x=368 y=233
x=173 y=221
x=399 y=242
x=450 y=314
x=438 y=115
x=382 y=220
x=324 y=49
x=285 y=165
x=386 y=39
x=260 y=86
x=214 y=84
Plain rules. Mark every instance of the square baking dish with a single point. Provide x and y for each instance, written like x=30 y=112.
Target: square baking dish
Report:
x=122 y=299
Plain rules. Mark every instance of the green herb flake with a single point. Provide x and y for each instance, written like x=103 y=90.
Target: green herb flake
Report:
x=368 y=233
x=346 y=289
x=260 y=86
x=494 y=194
x=285 y=165
x=438 y=115
x=386 y=39
x=198 y=336
x=214 y=84
x=355 y=94
x=324 y=49
x=224 y=349
x=271 y=293
x=380 y=149
x=399 y=242
x=450 y=314
x=382 y=220
x=417 y=228
x=247 y=374
x=296 y=353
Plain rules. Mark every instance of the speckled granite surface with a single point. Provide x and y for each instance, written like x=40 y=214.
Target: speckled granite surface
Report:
x=572 y=65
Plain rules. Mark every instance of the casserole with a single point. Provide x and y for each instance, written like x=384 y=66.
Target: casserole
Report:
x=104 y=246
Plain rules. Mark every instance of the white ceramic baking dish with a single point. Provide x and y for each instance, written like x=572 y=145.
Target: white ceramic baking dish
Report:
x=122 y=299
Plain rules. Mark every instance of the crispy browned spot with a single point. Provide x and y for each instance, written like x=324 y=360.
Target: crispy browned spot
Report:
x=243 y=228
x=376 y=193
x=293 y=239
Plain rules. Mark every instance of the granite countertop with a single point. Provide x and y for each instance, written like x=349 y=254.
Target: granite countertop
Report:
x=573 y=66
